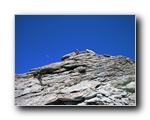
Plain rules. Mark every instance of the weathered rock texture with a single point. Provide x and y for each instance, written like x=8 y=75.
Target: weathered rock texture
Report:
x=83 y=79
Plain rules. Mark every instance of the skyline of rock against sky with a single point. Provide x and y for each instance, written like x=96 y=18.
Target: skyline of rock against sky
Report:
x=43 y=39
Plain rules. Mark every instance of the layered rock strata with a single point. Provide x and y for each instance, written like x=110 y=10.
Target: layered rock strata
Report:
x=83 y=79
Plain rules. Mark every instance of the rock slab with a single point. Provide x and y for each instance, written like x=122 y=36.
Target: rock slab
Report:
x=84 y=79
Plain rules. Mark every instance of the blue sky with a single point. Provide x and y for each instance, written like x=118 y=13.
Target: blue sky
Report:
x=44 y=39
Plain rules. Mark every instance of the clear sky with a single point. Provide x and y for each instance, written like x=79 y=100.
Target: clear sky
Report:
x=44 y=39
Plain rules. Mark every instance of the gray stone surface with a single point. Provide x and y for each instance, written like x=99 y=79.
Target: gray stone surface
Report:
x=83 y=79
x=131 y=85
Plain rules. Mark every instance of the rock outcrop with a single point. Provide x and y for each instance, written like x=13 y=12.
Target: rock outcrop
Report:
x=83 y=79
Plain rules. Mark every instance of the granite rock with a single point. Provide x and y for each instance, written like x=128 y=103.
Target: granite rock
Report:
x=84 y=79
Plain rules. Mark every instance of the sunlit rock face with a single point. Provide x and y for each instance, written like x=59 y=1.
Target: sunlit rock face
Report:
x=81 y=79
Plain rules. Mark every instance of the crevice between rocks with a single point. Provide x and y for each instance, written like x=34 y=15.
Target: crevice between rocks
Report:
x=60 y=102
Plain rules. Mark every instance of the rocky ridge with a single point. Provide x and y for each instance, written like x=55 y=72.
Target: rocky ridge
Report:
x=83 y=79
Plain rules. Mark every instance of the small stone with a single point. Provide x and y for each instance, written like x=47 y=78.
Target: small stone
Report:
x=111 y=104
x=90 y=51
x=132 y=97
x=83 y=103
x=99 y=95
x=113 y=97
x=104 y=92
x=125 y=101
x=131 y=85
x=117 y=103
x=123 y=94
x=104 y=99
x=92 y=100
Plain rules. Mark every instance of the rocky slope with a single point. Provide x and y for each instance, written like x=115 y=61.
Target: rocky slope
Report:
x=83 y=79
